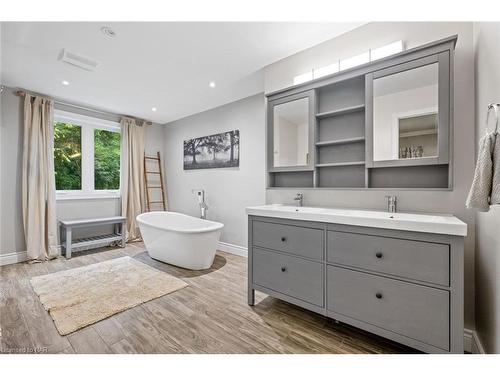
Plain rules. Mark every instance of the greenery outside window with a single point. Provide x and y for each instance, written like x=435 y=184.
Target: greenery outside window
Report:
x=87 y=155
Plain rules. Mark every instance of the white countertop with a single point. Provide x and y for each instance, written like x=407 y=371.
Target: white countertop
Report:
x=427 y=223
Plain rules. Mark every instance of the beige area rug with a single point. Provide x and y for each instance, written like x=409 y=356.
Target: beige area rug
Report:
x=81 y=296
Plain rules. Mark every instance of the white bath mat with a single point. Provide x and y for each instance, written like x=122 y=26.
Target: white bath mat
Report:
x=81 y=296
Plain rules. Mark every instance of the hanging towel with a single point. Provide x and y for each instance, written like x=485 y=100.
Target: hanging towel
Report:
x=480 y=191
x=495 y=189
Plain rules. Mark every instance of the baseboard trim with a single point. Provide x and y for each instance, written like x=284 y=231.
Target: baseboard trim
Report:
x=233 y=249
x=472 y=343
x=11 y=258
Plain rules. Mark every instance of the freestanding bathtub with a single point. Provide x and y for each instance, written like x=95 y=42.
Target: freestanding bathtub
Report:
x=178 y=239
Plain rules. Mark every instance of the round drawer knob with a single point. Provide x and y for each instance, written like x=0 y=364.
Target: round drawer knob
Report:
x=283 y=239
x=378 y=255
x=283 y=268
x=378 y=295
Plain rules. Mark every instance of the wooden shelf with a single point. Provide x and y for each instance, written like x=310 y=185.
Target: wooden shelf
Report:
x=341 y=111
x=103 y=240
x=340 y=164
x=340 y=141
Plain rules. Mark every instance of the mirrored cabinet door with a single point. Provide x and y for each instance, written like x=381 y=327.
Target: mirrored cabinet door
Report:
x=410 y=113
x=291 y=133
x=405 y=114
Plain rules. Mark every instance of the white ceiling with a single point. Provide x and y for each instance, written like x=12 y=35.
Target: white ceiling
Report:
x=162 y=65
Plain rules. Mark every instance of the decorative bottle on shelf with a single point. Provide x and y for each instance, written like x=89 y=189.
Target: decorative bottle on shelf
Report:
x=402 y=152
x=420 y=151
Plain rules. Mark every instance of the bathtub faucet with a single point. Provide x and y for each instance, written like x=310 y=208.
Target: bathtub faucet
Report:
x=201 y=202
x=203 y=210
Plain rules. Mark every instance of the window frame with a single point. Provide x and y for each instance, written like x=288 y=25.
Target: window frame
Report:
x=88 y=125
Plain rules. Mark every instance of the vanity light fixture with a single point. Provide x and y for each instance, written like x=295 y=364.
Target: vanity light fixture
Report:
x=301 y=78
x=153 y=109
x=65 y=83
x=211 y=84
x=350 y=62
x=326 y=70
x=387 y=50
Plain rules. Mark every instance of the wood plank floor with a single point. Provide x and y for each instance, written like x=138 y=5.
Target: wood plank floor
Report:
x=209 y=316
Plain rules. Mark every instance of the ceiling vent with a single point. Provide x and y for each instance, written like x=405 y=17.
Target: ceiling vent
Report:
x=78 y=60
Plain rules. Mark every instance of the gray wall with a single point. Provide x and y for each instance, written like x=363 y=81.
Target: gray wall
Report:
x=373 y=35
x=228 y=190
x=11 y=222
x=11 y=225
x=487 y=48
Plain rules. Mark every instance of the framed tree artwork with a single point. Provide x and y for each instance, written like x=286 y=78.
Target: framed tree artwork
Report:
x=213 y=151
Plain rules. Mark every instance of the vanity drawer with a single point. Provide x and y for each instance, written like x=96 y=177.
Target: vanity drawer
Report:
x=289 y=275
x=307 y=242
x=415 y=311
x=424 y=261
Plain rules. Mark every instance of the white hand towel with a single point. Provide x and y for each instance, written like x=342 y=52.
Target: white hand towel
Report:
x=480 y=191
x=495 y=189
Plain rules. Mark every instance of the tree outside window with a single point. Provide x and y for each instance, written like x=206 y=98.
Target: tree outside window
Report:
x=86 y=156
x=68 y=156
x=106 y=160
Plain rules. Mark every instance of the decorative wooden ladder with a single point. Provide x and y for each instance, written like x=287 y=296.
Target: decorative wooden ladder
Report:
x=147 y=182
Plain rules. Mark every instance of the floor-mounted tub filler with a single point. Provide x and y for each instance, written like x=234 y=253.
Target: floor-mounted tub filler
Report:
x=179 y=239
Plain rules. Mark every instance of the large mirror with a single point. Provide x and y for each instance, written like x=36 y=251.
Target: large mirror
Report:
x=405 y=114
x=291 y=133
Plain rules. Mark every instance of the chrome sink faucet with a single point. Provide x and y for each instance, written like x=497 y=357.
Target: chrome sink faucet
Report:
x=391 y=203
x=299 y=198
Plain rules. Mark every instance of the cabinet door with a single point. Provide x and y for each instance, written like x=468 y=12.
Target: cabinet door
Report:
x=408 y=113
x=290 y=132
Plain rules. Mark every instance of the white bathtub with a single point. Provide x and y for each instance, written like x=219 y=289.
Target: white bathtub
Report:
x=178 y=239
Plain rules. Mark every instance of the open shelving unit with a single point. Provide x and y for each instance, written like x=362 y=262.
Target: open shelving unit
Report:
x=340 y=134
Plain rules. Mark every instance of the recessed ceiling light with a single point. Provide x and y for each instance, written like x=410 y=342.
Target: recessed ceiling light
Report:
x=153 y=109
x=108 y=31
x=212 y=84
x=65 y=83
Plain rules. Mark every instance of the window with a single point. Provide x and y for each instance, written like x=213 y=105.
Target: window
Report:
x=106 y=160
x=87 y=154
x=68 y=156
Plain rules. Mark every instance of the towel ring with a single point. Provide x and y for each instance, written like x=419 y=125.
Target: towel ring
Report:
x=493 y=106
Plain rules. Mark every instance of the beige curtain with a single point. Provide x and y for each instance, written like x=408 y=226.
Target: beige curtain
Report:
x=38 y=189
x=133 y=202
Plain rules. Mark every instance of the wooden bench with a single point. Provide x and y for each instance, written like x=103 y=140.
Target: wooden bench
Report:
x=69 y=244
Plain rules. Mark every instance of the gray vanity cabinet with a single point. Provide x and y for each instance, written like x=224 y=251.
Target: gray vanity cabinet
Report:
x=405 y=286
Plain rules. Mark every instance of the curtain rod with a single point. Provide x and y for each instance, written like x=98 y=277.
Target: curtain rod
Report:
x=22 y=93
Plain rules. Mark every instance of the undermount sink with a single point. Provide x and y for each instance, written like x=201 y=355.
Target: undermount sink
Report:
x=428 y=223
